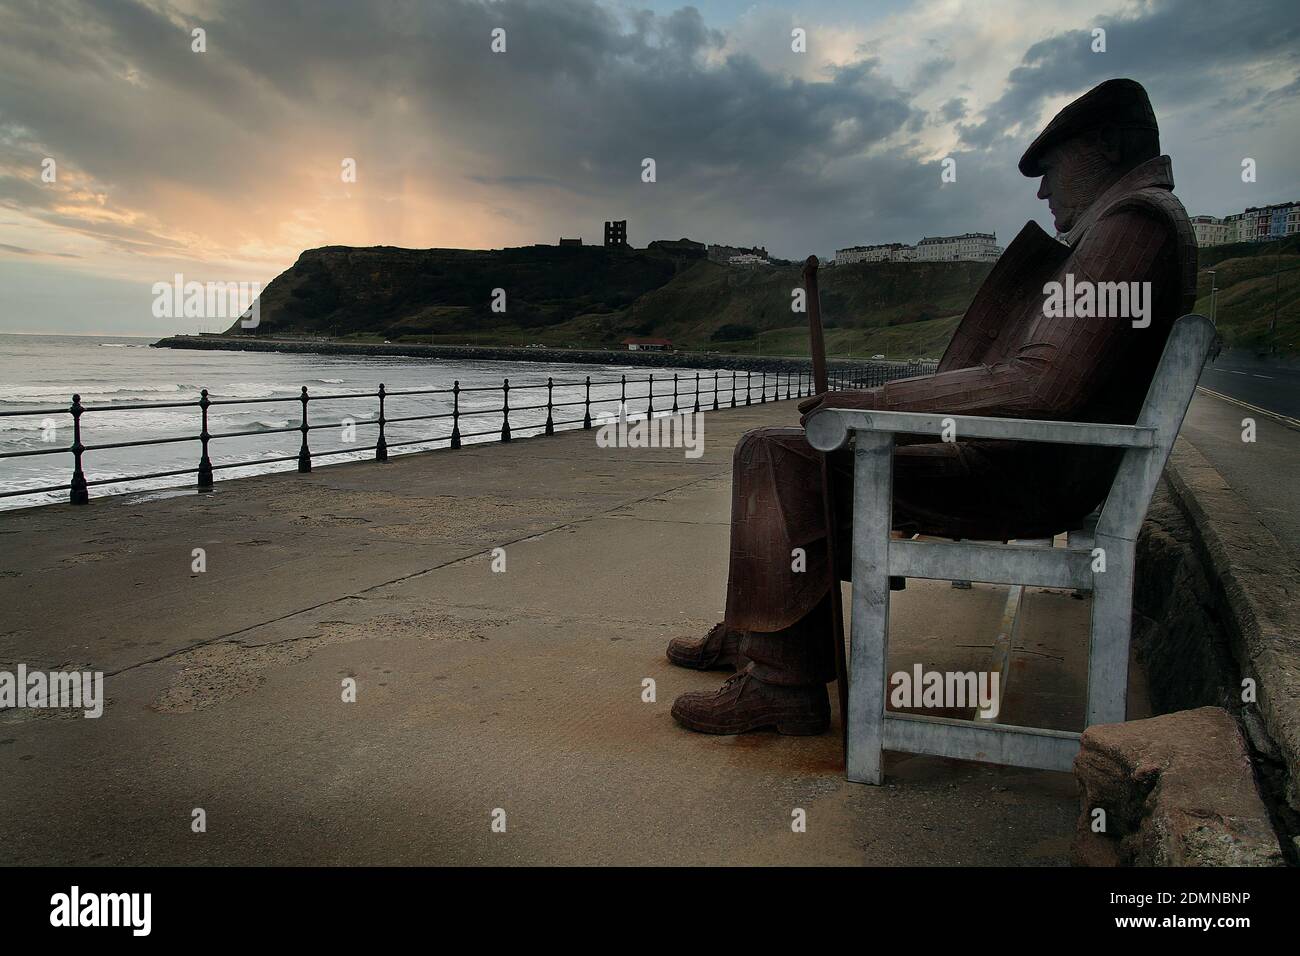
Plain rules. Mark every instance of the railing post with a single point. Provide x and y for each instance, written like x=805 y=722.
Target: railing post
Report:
x=749 y=378
x=715 y=390
x=550 y=423
x=205 y=464
x=674 y=393
x=78 y=493
x=505 y=409
x=733 y=388
x=762 y=398
x=586 y=413
x=697 y=393
x=787 y=386
x=304 y=454
x=381 y=446
x=455 y=414
x=650 y=399
x=623 y=410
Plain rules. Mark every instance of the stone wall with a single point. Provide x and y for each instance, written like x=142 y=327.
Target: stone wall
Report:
x=1176 y=790
x=1216 y=622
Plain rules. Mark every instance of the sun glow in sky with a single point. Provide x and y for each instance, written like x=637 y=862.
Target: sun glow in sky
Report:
x=225 y=164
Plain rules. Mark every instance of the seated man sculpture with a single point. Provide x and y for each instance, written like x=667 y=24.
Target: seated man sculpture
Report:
x=1013 y=354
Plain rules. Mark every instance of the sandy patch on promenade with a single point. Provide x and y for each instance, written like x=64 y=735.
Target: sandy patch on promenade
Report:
x=218 y=672
x=407 y=517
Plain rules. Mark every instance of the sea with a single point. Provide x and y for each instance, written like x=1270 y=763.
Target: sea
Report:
x=117 y=376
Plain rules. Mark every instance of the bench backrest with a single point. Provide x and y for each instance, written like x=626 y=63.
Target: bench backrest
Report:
x=1171 y=391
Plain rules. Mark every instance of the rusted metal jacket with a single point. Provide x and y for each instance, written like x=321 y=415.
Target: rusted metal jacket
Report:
x=1006 y=358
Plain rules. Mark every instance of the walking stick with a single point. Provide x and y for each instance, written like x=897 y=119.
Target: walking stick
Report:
x=817 y=346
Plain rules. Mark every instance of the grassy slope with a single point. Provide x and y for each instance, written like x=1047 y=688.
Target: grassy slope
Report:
x=588 y=299
x=901 y=311
x=897 y=310
x=1253 y=278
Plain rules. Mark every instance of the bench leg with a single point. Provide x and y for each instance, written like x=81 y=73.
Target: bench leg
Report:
x=1112 y=622
x=869 y=644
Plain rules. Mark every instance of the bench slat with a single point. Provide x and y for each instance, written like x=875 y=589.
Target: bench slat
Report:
x=987 y=743
x=991 y=563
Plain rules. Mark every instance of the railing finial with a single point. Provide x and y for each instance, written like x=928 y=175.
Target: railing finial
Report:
x=205 y=463
x=455 y=414
x=381 y=446
x=78 y=493
x=304 y=453
x=550 y=423
x=505 y=409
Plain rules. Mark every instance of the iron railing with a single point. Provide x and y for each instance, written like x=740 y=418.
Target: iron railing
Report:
x=726 y=391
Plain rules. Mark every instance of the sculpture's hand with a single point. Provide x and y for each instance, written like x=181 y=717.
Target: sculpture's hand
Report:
x=835 y=400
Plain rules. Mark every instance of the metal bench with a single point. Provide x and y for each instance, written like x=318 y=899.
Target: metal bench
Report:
x=876 y=556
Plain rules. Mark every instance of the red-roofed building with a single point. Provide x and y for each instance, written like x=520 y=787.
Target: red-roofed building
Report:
x=647 y=345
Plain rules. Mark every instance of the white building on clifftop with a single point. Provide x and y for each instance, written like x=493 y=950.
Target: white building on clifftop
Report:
x=882 y=252
x=968 y=247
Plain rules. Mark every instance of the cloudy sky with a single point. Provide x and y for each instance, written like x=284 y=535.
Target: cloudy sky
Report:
x=226 y=164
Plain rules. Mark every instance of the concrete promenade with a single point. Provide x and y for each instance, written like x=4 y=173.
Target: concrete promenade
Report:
x=1262 y=472
x=475 y=690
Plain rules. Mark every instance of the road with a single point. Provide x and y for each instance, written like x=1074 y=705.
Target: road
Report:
x=1262 y=472
x=1274 y=386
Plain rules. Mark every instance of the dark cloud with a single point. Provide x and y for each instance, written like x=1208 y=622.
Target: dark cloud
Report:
x=1187 y=53
x=931 y=71
x=579 y=99
x=554 y=131
x=953 y=110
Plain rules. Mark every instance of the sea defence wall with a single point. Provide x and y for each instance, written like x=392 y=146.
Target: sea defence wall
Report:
x=1217 y=622
x=502 y=353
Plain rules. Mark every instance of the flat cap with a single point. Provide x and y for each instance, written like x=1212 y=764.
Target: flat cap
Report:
x=1120 y=103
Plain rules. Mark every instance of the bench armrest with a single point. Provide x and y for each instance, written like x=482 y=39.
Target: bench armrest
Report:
x=828 y=428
